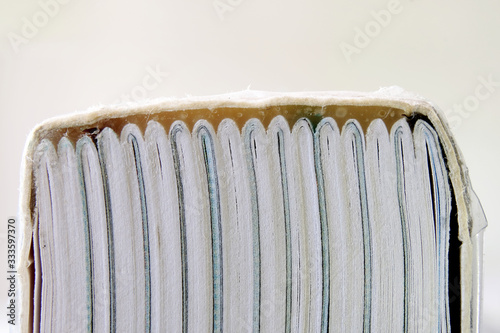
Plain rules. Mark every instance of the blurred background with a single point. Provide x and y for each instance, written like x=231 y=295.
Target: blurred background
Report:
x=58 y=56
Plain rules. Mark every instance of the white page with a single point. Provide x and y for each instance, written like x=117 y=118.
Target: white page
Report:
x=195 y=220
x=266 y=232
x=309 y=226
x=358 y=269
x=164 y=226
x=208 y=156
x=75 y=247
x=236 y=230
x=280 y=141
x=134 y=154
x=386 y=233
x=124 y=286
x=410 y=205
x=92 y=187
x=329 y=166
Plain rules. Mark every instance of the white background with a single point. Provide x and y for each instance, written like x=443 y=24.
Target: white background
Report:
x=93 y=52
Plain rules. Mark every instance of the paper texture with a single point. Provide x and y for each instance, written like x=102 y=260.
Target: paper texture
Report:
x=470 y=218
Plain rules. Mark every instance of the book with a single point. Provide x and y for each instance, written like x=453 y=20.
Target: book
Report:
x=250 y=212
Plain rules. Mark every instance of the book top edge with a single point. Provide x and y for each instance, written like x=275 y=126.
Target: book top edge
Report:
x=390 y=96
